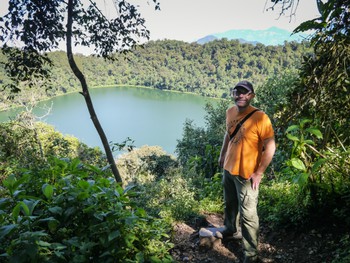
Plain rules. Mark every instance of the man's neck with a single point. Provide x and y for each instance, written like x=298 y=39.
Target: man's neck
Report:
x=242 y=109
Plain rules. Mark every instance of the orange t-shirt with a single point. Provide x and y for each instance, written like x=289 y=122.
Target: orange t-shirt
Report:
x=244 y=151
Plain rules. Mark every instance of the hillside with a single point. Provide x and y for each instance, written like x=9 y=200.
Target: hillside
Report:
x=209 y=69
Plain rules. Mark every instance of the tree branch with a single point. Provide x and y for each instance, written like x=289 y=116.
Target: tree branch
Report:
x=86 y=94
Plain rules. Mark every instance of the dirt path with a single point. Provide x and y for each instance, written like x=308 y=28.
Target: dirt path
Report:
x=280 y=247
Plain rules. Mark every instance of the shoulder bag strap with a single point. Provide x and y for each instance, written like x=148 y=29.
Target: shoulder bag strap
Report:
x=241 y=123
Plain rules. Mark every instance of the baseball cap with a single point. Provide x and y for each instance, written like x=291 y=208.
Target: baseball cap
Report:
x=245 y=84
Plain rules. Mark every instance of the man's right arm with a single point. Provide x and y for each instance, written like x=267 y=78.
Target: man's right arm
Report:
x=224 y=149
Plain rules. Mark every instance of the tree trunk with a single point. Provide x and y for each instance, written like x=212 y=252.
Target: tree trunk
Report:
x=86 y=94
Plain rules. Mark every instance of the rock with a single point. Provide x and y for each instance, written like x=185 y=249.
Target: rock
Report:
x=211 y=232
x=219 y=235
x=203 y=232
x=209 y=242
x=186 y=259
x=210 y=237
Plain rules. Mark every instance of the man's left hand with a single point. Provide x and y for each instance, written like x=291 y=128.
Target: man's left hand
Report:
x=256 y=179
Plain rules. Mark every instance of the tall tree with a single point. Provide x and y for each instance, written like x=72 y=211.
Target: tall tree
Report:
x=31 y=28
x=324 y=76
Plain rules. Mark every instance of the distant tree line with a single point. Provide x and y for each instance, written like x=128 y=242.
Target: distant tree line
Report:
x=209 y=69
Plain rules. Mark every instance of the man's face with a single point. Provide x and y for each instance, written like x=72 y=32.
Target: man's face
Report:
x=242 y=97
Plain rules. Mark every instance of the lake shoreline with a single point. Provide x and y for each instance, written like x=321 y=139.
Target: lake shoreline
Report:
x=147 y=115
x=112 y=86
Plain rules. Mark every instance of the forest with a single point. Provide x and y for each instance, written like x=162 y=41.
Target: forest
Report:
x=209 y=70
x=61 y=201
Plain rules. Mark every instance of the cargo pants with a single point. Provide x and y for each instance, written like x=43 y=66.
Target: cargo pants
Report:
x=241 y=203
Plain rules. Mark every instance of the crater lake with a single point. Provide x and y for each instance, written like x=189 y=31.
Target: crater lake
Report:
x=147 y=116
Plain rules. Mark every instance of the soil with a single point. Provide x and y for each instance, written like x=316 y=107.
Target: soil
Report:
x=283 y=247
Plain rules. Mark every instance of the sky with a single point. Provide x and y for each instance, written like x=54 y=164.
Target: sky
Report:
x=190 y=20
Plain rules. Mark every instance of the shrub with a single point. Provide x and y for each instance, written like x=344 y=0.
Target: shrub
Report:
x=78 y=215
x=281 y=206
x=30 y=146
x=200 y=147
x=210 y=196
x=342 y=250
x=145 y=164
x=170 y=197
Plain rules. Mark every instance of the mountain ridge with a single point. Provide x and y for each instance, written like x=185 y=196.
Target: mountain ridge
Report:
x=270 y=37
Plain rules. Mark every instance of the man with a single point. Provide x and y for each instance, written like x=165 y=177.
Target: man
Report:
x=245 y=158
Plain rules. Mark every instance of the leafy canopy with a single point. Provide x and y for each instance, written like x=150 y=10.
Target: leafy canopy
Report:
x=35 y=27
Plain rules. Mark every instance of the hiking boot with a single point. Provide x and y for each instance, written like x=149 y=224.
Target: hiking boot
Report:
x=237 y=235
x=228 y=234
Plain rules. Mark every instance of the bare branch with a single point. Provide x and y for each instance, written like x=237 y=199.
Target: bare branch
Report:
x=285 y=5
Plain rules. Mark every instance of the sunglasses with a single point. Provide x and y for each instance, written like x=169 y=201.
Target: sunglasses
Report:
x=237 y=92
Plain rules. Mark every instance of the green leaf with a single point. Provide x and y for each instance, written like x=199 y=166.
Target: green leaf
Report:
x=74 y=241
x=83 y=195
x=128 y=188
x=99 y=216
x=315 y=132
x=56 y=210
x=292 y=128
x=140 y=258
x=31 y=204
x=298 y=164
x=9 y=181
x=113 y=235
x=58 y=246
x=107 y=253
x=25 y=208
x=87 y=246
x=93 y=168
x=53 y=224
x=155 y=259
x=75 y=163
x=15 y=211
x=4 y=202
x=293 y=138
x=141 y=212
x=310 y=142
x=84 y=184
x=5 y=230
x=89 y=208
x=317 y=165
x=308 y=25
x=304 y=121
x=59 y=255
x=47 y=190
x=129 y=239
x=43 y=243
x=301 y=179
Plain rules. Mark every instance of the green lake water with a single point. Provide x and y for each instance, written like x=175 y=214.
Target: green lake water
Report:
x=147 y=116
